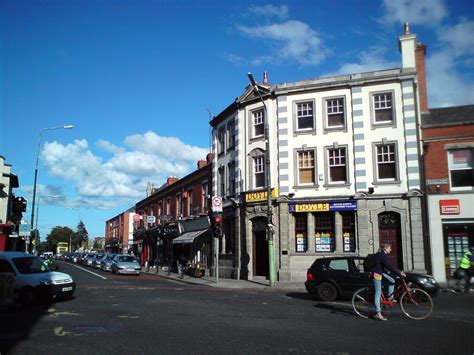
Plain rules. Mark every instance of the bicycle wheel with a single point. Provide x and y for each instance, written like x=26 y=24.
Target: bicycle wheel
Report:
x=416 y=304
x=363 y=302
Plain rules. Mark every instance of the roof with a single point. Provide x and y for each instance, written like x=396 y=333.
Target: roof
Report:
x=448 y=116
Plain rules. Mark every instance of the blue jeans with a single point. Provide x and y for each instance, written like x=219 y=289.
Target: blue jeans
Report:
x=378 y=290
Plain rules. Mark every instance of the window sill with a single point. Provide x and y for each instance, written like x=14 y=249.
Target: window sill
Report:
x=303 y=132
x=256 y=139
x=393 y=182
x=303 y=187
x=342 y=184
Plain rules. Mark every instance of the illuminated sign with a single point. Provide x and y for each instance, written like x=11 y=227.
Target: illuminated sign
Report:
x=449 y=207
x=323 y=206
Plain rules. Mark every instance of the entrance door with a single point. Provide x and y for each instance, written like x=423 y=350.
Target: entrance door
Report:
x=260 y=254
x=389 y=232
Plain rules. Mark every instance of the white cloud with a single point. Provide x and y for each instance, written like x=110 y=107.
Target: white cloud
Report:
x=270 y=10
x=126 y=173
x=419 y=12
x=294 y=41
x=459 y=38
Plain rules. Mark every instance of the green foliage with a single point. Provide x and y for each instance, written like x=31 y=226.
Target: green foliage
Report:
x=77 y=238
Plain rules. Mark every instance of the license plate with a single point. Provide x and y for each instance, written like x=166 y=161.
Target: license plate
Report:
x=132 y=269
x=67 y=289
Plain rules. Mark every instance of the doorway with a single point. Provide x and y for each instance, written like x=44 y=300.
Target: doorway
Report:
x=390 y=232
x=260 y=248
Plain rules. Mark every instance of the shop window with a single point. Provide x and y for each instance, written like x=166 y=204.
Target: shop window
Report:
x=301 y=228
x=348 y=231
x=461 y=172
x=324 y=232
x=457 y=238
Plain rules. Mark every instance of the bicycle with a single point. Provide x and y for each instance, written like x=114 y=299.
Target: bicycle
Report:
x=415 y=303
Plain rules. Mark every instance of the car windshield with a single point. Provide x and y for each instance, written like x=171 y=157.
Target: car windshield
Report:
x=30 y=265
x=126 y=259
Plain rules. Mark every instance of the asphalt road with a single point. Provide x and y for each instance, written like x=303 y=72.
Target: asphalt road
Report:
x=150 y=315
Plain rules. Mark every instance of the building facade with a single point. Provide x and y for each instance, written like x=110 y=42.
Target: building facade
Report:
x=344 y=169
x=172 y=221
x=119 y=233
x=448 y=144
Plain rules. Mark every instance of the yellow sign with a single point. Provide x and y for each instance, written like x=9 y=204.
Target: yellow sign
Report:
x=312 y=207
x=259 y=195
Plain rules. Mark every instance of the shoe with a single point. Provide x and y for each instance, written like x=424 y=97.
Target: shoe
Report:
x=380 y=317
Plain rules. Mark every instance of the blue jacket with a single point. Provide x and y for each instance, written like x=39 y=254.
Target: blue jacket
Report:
x=382 y=263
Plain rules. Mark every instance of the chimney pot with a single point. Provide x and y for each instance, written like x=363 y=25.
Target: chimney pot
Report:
x=265 y=77
x=406 y=29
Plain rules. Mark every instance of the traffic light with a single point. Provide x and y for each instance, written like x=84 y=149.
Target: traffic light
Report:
x=217 y=225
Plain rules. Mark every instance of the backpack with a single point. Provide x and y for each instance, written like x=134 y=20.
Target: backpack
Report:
x=369 y=262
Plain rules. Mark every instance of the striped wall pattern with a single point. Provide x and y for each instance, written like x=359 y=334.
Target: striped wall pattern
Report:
x=410 y=127
x=360 y=149
x=237 y=155
x=283 y=127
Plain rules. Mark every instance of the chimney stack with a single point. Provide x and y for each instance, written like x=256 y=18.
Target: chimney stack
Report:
x=407 y=46
x=420 y=58
x=171 y=180
x=201 y=164
x=265 y=78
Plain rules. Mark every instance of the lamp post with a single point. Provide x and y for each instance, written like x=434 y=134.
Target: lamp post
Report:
x=270 y=227
x=37 y=217
x=32 y=222
x=80 y=220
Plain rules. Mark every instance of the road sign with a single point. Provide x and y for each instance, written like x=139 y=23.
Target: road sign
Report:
x=24 y=230
x=151 y=219
x=217 y=204
x=136 y=218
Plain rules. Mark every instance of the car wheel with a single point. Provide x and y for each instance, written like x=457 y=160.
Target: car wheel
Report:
x=327 y=292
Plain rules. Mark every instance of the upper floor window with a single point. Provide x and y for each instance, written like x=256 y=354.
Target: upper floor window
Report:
x=259 y=171
x=335 y=113
x=306 y=167
x=258 y=123
x=189 y=200
x=386 y=162
x=221 y=181
x=304 y=116
x=231 y=135
x=231 y=178
x=221 y=140
x=204 y=197
x=461 y=168
x=383 y=108
x=168 y=206
x=337 y=165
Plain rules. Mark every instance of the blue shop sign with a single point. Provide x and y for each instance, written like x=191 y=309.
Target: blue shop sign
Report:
x=323 y=206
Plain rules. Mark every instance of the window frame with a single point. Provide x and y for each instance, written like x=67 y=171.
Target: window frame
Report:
x=254 y=137
x=299 y=228
x=296 y=129
x=221 y=187
x=254 y=171
x=221 y=140
x=327 y=166
x=393 y=121
x=328 y=128
x=377 y=179
x=470 y=152
x=230 y=142
x=297 y=182
x=231 y=177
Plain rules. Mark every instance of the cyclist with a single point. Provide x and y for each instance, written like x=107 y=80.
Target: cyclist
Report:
x=381 y=264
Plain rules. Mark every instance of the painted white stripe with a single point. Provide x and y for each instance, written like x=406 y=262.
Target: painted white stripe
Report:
x=90 y=272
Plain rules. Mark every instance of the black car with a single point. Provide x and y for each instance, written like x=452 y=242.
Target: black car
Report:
x=340 y=277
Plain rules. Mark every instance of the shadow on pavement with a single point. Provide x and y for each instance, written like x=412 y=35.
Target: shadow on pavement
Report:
x=339 y=308
x=302 y=296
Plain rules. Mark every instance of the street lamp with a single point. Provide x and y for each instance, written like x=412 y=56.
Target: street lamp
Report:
x=37 y=217
x=32 y=222
x=80 y=220
x=270 y=227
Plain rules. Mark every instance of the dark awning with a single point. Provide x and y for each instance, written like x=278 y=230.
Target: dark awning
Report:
x=189 y=237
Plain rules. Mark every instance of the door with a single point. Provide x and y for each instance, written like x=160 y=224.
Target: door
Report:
x=260 y=254
x=390 y=232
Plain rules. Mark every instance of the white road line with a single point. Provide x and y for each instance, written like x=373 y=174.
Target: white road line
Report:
x=90 y=272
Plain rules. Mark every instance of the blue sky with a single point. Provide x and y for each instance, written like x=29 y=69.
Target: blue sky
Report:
x=137 y=79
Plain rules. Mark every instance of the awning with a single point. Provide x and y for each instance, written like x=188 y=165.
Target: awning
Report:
x=189 y=237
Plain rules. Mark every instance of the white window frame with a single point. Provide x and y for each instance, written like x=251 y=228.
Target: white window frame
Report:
x=258 y=118
x=342 y=106
x=336 y=164
x=221 y=138
x=306 y=109
x=383 y=106
x=258 y=168
x=384 y=155
x=231 y=135
x=469 y=165
x=304 y=162
x=231 y=178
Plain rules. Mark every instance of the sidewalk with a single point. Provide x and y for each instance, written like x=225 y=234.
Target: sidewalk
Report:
x=228 y=283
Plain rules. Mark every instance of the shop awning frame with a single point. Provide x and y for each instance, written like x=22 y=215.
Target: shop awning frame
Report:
x=188 y=238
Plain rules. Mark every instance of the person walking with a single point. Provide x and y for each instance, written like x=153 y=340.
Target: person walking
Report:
x=381 y=264
x=465 y=265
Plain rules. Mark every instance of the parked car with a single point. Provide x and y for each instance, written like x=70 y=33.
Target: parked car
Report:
x=106 y=262
x=33 y=280
x=125 y=264
x=339 y=277
x=89 y=259
x=96 y=261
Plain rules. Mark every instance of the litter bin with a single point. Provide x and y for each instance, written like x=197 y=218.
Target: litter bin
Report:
x=6 y=288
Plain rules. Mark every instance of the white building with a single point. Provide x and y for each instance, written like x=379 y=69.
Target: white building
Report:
x=345 y=174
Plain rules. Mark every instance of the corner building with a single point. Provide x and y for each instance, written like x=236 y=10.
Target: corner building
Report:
x=344 y=169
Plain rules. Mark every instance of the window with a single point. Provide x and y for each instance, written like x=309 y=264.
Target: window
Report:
x=383 y=108
x=189 y=200
x=304 y=116
x=168 y=206
x=324 y=232
x=231 y=135
x=335 y=113
x=301 y=223
x=337 y=165
x=221 y=181
x=204 y=197
x=6 y=267
x=461 y=172
x=258 y=123
x=386 y=162
x=231 y=176
x=221 y=140
x=306 y=171
x=259 y=171
x=340 y=265
x=348 y=231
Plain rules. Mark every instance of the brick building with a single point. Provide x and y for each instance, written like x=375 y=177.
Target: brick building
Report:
x=119 y=233
x=448 y=145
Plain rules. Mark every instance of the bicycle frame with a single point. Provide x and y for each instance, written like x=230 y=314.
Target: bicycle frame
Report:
x=397 y=292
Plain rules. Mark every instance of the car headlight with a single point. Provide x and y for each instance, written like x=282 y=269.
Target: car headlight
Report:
x=45 y=282
x=423 y=280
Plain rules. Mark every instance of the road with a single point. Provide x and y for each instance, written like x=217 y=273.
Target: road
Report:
x=151 y=315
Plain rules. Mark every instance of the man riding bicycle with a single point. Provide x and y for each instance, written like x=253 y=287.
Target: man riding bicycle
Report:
x=382 y=263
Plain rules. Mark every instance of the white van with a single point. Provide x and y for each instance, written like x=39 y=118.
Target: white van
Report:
x=33 y=279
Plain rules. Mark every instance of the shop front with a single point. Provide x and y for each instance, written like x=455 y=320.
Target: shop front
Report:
x=451 y=223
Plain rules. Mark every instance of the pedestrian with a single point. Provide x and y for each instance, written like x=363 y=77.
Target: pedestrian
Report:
x=157 y=263
x=465 y=265
x=180 y=264
x=379 y=271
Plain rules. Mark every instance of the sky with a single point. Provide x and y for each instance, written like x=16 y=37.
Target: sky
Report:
x=140 y=80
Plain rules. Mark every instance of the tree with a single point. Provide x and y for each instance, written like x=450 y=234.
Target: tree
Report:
x=58 y=234
x=82 y=235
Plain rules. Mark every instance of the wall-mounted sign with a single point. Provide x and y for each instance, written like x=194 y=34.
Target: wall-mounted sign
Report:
x=136 y=218
x=323 y=206
x=449 y=206
x=151 y=219
x=255 y=196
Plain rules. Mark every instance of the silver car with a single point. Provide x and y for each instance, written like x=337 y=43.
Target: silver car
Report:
x=106 y=262
x=125 y=264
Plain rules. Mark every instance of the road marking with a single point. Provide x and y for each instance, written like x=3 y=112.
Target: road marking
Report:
x=90 y=272
x=58 y=331
x=133 y=317
x=56 y=314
